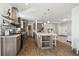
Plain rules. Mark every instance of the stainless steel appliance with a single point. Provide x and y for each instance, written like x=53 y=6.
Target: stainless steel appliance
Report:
x=23 y=36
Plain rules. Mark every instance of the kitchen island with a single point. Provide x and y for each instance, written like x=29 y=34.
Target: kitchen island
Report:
x=10 y=45
x=45 y=40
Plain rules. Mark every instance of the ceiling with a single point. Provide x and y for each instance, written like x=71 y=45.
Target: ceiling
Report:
x=54 y=12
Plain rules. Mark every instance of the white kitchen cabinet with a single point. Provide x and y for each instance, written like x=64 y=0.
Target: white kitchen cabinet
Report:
x=10 y=45
x=44 y=40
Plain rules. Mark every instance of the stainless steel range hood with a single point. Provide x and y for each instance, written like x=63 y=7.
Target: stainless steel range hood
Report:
x=11 y=21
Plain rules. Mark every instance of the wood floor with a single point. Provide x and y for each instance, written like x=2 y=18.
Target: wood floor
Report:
x=30 y=49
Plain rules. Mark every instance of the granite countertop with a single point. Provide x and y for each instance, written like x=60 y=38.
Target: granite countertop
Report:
x=14 y=35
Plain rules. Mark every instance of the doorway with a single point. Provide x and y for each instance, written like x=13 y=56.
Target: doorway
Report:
x=30 y=30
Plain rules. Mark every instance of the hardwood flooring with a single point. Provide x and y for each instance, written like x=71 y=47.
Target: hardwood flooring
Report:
x=30 y=49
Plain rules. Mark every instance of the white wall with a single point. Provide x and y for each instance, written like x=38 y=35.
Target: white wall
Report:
x=64 y=28
x=75 y=23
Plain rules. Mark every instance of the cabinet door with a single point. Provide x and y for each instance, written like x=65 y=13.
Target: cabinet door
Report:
x=9 y=48
x=18 y=43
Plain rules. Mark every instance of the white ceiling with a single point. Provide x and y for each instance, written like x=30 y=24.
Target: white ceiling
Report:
x=57 y=12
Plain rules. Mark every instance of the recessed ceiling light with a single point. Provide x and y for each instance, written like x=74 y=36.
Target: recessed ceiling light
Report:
x=48 y=21
x=65 y=19
x=26 y=4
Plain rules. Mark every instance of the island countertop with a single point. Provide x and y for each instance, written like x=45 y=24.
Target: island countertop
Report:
x=45 y=33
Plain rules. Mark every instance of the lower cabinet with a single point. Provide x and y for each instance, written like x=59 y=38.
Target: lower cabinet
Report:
x=18 y=43
x=44 y=42
x=9 y=48
x=10 y=45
